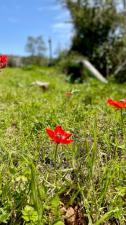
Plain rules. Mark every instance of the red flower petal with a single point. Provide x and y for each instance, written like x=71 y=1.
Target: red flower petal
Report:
x=3 y=61
x=59 y=135
x=50 y=133
x=122 y=104
x=59 y=131
x=116 y=104
x=66 y=141
x=3 y=58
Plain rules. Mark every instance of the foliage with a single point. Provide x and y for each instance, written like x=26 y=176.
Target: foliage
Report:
x=14 y=61
x=90 y=173
x=120 y=73
x=99 y=28
x=36 y=47
x=70 y=63
x=29 y=61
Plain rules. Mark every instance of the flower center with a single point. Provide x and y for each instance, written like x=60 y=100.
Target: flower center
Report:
x=60 y=136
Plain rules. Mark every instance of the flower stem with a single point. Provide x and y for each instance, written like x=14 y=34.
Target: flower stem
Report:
x=121 y=119
x=55 y=163
x=55 y=156
x=121 y=116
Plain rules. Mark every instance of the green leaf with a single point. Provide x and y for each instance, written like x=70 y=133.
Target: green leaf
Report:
x=55 y=202
x=4 y=216
x=59 y=223
x=29 y=214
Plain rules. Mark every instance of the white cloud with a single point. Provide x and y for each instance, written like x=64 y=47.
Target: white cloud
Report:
x=61 y=26
x=49 y=8
x=58 y=26
x=64 y=33
x=63 y=16
x=56 y=7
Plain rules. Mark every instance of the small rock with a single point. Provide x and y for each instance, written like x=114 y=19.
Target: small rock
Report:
x=43 y=85
x=70 y=216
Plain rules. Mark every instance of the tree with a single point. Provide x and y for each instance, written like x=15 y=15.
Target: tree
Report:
x=40 y=46
x=99 y=26
x=36 y=47
x=31 y=45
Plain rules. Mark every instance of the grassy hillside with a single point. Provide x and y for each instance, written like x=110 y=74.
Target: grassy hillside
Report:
x=87 y=184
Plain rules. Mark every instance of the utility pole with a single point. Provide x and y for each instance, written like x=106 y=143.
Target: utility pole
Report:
x=124 y=4
x=50 y=51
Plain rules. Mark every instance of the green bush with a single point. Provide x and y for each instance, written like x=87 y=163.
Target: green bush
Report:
x=120 y=74
x=71 y=65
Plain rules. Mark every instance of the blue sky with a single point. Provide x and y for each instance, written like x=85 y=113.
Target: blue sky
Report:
x=23 y=18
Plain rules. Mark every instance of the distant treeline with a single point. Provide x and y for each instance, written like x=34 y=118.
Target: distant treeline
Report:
x=22 y=61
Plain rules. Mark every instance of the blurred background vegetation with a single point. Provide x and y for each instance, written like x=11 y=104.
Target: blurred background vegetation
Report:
x=99 y=36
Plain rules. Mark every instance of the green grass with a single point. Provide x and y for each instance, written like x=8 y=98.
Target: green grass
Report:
x=91 y=172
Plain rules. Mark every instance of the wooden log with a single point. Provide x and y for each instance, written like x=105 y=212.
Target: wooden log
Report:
x=94 y=71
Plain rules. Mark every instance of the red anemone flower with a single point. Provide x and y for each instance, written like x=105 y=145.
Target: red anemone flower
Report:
x=3 y=61
x=123 y=100
x=59 y=135
x=117 y=104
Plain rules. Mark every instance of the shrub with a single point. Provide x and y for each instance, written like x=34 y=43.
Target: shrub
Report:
x=120 y=73
x=70 y=64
